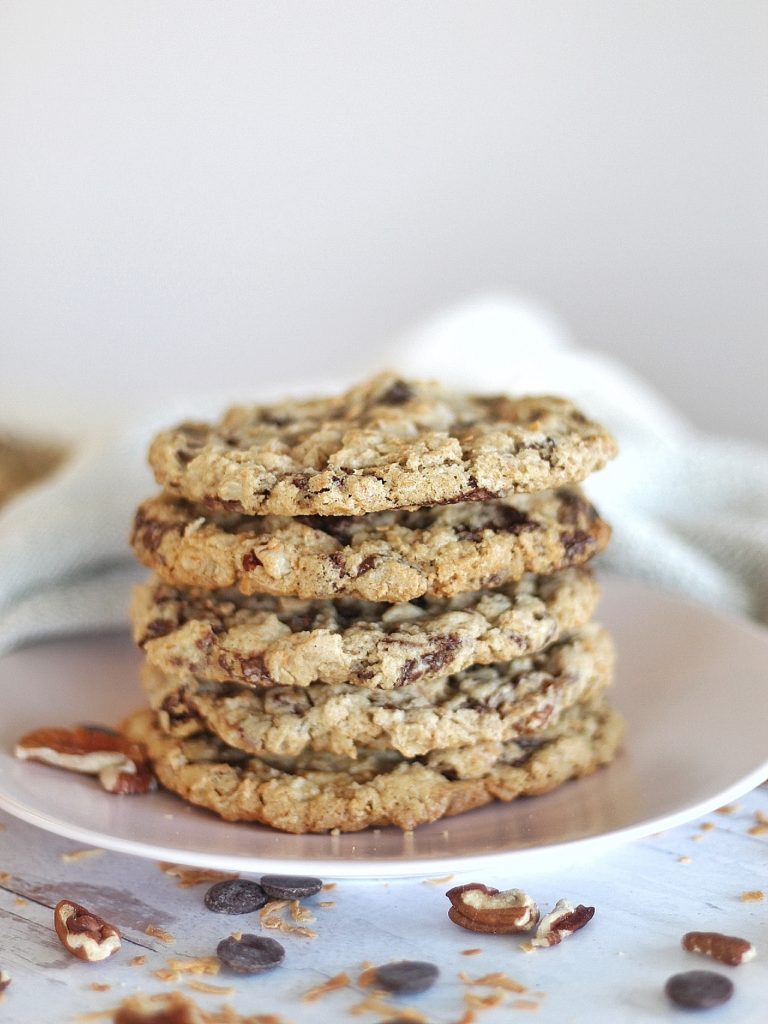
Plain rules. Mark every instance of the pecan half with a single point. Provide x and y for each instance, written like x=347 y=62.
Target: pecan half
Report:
x=481 y=908
x=83 y=934
x=728 y=949
x=561 y=922
x=92 y=751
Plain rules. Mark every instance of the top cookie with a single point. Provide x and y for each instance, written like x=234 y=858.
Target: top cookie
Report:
x=384 y=444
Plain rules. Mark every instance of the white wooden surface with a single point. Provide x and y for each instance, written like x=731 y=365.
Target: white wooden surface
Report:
x=646 y=895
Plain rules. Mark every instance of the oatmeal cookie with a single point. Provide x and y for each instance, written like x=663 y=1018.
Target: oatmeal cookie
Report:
x=319 y=792
x=264 y=641
x=384 y=556
x=482 y=706
x=386 y=443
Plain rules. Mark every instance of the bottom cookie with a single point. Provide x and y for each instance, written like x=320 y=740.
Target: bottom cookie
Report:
x=319 y=792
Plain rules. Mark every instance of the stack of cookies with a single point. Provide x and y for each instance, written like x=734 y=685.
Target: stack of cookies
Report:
x=374 y=608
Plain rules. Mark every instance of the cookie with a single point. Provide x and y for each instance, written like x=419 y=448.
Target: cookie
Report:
x=384 y=444
x=483 y=705
x=263 y=640
x=319 y=792
x=384 y=556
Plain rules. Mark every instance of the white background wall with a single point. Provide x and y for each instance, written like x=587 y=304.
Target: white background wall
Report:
x=200 y=191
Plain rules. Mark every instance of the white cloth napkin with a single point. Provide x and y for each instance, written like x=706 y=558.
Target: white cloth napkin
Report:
x=690 y=512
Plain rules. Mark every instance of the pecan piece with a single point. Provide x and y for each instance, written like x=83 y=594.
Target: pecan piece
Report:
x=119 y=763
x=5 y=980
x=561 y=922
x=127 y=779
x=481 y=908
x=83 y=934
x=728 y=949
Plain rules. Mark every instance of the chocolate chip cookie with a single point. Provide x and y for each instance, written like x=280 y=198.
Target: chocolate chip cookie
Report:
x=387 y=443
x=264 y=641
x=383 y=556
x=317 y=792
x=480 y=707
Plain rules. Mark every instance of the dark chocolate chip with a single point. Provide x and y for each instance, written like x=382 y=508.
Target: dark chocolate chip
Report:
x=407 y=976
x=396 y=394
x=250 y=561
x=699 y=990
x=442 y=650
x=290 y=887
x=250 y=953
x=235 y=896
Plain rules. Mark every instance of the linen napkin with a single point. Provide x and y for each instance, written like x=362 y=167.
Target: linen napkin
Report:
x=690 y=512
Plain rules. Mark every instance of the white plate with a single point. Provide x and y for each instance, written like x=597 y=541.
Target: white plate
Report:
x=692 y=684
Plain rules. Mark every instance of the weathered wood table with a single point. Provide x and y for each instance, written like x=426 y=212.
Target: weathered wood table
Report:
x=709 y=875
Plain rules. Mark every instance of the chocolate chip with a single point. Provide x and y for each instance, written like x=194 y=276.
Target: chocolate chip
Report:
x=699 y=990
x=366 y=565
x=473 y=494
x=156 y=628
x=440 y=652
x=576 y=543
x=235 y=896
x=396 y=394
x=250 y=953
x=407 y=976
x=290 y=887
x=250 y=561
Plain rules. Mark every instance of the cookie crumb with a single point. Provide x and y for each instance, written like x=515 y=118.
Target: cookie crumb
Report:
x=74 y=855
x=138 y=961
x=497 y=979
x=367 y=976
x=159 y=933
x=752 y=896
x=728 y=809
x=761 y=828
x=166 y=974
x=334 y=983
x=684 y=859
x=374 y=1003
x=189 y=877
x=437 y=881
x=196 y=965
x=214 y=990
x=301 y=914
x=471 y=952
x=484 y=1002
